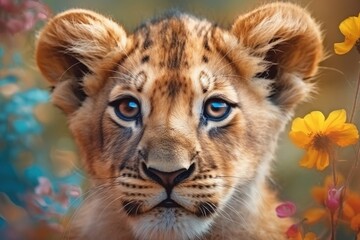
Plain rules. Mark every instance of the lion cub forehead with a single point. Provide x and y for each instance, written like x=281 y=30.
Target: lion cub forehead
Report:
x=173 y=43
x=174 y=53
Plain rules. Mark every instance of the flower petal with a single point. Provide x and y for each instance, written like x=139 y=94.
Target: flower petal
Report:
x=319 y=194
x=308 y=160
x=313 y=215
x=314 y=121
x=293 y=232
x=353 y=199
x=322 y=160
x=298 y=125
x=300 y=139
x=344 y=47
x=348 y=135
x=347 y=210
x=335 y=120
x=285 y=209
x=350 y=27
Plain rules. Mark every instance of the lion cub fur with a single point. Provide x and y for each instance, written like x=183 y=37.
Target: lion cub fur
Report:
x=210 y=103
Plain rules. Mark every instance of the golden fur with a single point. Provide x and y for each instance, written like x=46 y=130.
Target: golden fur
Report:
x=216 y=170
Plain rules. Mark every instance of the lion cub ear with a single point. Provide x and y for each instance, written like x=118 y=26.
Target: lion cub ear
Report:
x=70 y=47
x=289 y=42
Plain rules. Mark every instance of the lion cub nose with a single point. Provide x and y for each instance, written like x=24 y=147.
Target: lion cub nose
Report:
x=168 y=179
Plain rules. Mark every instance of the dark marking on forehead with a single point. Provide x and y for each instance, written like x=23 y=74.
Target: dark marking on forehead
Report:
x=186 y=64
x=206 y=40
x=145 y=59
x=205 y=59
x=174 y=36
x=176 y=51
x=147 y=42
x=174 y=87
x=206 y=44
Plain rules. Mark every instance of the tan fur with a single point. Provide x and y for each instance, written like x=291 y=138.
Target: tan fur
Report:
x=172 y=66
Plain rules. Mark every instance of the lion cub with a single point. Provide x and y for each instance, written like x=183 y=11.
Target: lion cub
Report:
x=177 y=122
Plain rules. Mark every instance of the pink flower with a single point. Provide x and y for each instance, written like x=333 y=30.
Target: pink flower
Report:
x=73 y=191
x=44 y=187
x=21 y=16
x=67 y=191
x=14 y=25
x=285 y=209
x=332 y=202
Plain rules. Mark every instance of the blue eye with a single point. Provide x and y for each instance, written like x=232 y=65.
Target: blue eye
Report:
x=127 y=108
x=216 y=109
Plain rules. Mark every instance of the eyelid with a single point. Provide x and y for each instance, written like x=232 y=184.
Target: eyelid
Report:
x=224 y=98
x=120 y=97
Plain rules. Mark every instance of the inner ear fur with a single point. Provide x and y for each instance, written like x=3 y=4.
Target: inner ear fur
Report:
x=71 y=46
x=290 y=43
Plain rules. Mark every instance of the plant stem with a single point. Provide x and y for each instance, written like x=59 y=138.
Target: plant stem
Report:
x=333 y=166
x=332 y=227
x=357 y=156
x=352 y=169
x=353 y=109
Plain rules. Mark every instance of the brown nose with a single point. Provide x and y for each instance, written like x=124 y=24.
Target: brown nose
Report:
x=168 y=179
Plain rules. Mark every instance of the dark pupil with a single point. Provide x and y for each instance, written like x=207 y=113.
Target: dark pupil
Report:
x=129 y=108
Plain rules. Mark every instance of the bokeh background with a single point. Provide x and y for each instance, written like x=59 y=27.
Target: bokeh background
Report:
x=35 y=143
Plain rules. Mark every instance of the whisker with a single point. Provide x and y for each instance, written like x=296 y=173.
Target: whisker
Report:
x=68 y=69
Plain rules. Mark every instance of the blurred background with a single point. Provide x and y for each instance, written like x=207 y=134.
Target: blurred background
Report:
x=40 y=178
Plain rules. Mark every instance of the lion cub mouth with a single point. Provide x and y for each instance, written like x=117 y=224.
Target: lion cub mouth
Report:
x=168 y=203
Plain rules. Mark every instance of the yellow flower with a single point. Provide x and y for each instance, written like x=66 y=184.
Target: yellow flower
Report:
x=350 y=28
x=318 y=136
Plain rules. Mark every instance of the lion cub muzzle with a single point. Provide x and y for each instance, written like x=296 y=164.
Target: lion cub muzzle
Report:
x=167 y=161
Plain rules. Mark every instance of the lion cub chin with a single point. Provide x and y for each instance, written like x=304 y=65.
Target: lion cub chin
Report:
x=177 y=122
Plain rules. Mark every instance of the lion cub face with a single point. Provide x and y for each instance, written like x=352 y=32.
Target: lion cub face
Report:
x=178 y=121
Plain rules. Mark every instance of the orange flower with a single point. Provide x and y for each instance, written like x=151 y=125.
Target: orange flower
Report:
x=318 y=136
x=351 y=208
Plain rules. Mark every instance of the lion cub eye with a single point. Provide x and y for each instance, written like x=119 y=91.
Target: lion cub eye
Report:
x=216 y=109
x=127 y=108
